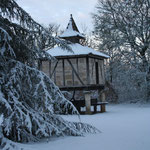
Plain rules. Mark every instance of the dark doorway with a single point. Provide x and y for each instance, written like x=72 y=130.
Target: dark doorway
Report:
x=97 y=72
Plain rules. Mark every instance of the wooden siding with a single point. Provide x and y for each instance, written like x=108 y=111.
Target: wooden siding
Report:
x=71 y=72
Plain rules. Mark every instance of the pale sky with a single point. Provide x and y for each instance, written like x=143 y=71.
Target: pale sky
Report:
x=58 y=11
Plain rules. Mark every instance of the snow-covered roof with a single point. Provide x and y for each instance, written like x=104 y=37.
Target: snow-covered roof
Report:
x=77 y=49
x=71 y=33
x=71 y=30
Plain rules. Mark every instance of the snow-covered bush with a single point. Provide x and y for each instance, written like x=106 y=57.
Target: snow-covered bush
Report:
x=5 y=144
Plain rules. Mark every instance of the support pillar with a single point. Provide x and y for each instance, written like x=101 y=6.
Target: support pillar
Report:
x=87 y=95
x=103 y=99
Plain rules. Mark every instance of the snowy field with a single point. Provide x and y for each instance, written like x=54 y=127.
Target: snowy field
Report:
x=123 y=127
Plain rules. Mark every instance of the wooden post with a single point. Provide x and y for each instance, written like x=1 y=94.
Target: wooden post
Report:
x=49 y=68
x=72 y=77
x=87 y=95
x=55 y=76
x=77 y=64
x=87 y=71
x=101 y=72
x=39 y=64
x=63 y=68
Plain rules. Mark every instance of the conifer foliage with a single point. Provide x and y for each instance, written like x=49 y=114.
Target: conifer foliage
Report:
x=29 y=100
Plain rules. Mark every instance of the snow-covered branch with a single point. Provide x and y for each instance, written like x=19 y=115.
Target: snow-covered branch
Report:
x=122 y=30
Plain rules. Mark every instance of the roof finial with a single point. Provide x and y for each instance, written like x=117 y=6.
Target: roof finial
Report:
x=70 y=15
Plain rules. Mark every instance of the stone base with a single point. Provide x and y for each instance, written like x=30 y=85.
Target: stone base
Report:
x=87 y=95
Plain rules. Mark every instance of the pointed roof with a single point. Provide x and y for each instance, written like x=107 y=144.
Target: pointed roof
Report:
x=72 y=24
x=71 y=30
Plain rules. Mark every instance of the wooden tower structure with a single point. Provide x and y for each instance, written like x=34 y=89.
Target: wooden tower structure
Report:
x=81 y=70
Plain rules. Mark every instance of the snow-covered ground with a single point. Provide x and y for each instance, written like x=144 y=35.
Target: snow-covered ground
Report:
x=123 y=127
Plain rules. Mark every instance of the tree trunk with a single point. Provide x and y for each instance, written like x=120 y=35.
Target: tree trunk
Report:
x=146 y=69
x=148 y=85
